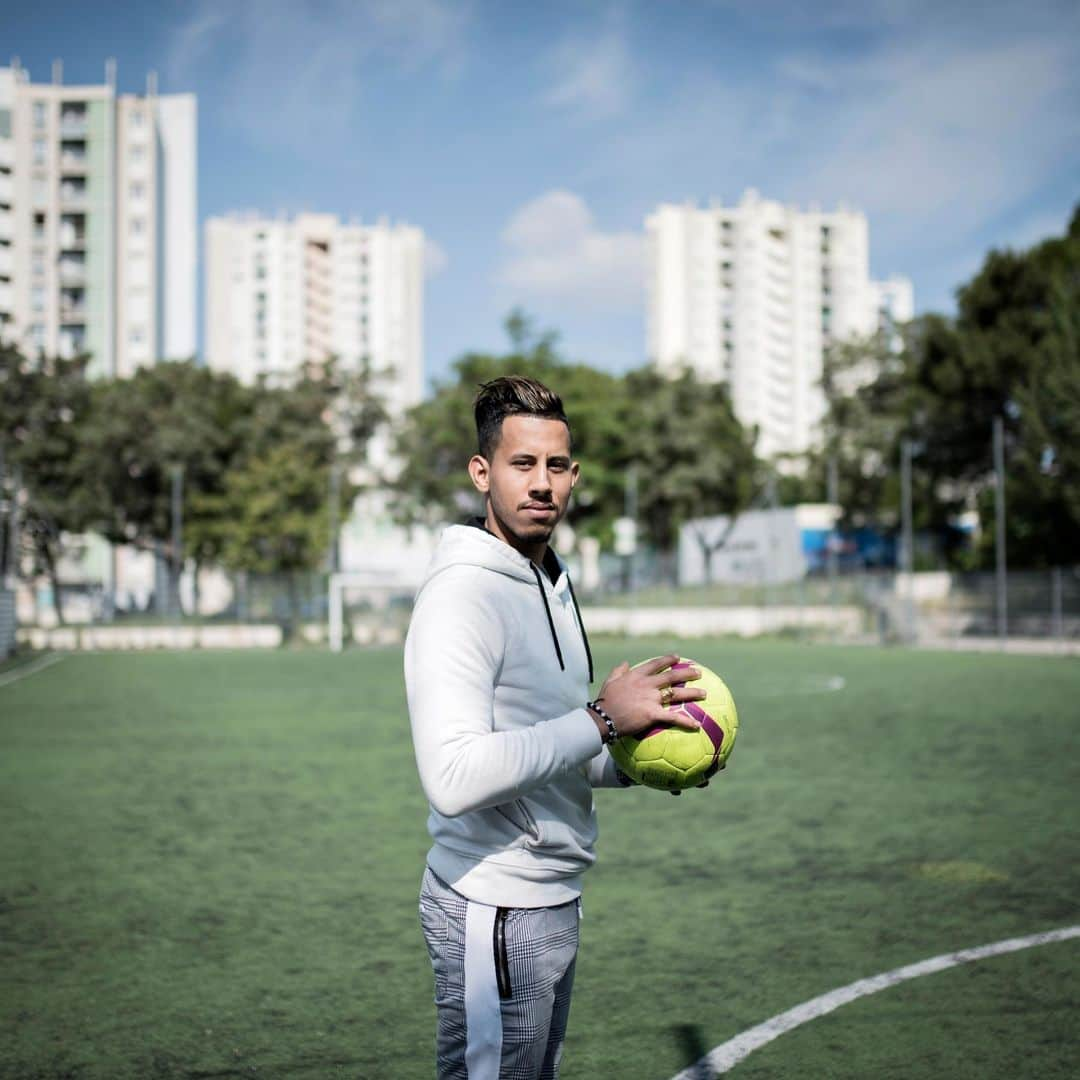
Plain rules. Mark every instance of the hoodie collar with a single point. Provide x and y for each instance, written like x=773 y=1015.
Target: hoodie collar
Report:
x=554 y=569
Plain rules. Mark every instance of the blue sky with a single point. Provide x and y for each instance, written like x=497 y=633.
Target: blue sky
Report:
x=529 y=141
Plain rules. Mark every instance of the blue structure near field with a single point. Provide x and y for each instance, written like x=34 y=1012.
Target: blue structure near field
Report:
x=856 y=549
x=776 y=546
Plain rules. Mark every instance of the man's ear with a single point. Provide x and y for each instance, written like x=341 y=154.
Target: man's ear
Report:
x=480 y=473
x=575 y=474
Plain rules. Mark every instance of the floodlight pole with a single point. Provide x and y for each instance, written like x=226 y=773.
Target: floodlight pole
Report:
x=630 y=499
x=333 y=554
x=177 y=534
x=999 y=531
x=833 y=498
x=908 y=538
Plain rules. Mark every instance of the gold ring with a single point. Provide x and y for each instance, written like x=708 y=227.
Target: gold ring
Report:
x=666 y=694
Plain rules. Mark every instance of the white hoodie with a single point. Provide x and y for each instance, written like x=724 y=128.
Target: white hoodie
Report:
x=497 y=672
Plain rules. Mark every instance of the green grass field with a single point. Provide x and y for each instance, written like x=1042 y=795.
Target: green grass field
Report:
x=210 y=865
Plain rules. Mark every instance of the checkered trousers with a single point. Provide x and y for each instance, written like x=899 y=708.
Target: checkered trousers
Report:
x=503 y=978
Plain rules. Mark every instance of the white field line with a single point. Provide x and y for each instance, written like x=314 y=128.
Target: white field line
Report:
x=727 y=1055
x=809 y=684
x=32 y=668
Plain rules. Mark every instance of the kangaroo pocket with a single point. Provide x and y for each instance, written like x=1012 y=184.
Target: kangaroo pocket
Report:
x=522 y=820
x=558 y=829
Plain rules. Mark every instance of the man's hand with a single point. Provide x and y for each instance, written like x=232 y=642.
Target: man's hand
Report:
x=636 y=698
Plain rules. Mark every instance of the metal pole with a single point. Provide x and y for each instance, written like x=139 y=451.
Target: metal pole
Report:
x=177 y=535
x=771 y=574
x=333 y=554
x=630 y=500
x=833 y=498
x=907 y=539
x=5 y=514
x=999 y=541
x=1056 y=591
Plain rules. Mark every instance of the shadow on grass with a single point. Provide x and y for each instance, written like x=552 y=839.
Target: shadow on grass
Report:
x=693 y=1049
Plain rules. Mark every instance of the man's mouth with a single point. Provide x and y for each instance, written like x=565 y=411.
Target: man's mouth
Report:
x=539 y=509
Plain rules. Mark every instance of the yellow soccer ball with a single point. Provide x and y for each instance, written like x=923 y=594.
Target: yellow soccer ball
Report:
x=673 y=758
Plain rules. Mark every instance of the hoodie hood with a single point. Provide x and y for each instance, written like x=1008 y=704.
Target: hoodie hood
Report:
x=473 y=545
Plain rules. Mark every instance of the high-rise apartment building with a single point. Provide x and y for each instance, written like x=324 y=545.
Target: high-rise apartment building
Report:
x=283 y=292
x=753 y=294
x=97 y=221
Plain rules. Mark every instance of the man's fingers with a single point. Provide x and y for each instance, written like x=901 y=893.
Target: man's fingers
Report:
x=652 y=667
x=677 y=676
x=678 y=718
x=687 y=693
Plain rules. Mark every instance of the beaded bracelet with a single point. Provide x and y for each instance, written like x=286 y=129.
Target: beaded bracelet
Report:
x=612 y=734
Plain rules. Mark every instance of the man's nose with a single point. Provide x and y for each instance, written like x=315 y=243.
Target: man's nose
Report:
x=540 y=481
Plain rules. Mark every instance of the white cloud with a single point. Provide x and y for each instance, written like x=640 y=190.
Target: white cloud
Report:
x=294 y=72
x=556 y=253
x=590 y=76
x=928 y=135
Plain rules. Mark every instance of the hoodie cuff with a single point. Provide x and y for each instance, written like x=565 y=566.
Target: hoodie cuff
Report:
x=576 y=736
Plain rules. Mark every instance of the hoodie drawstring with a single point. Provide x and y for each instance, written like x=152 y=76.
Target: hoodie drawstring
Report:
x=547 y=612
x=581 y=624
x=551 y=621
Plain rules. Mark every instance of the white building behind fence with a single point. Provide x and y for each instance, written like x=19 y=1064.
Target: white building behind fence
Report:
x=98 y=227
x=280 y=293
x=752 y=294
x=283 y=292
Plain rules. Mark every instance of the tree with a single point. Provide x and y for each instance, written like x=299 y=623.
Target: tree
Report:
x=278 y=513
x=696 y=459
x=1009 y=356
x=166 y=416
x=44 y=407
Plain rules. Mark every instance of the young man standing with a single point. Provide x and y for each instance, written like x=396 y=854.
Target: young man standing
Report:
x=509 y=747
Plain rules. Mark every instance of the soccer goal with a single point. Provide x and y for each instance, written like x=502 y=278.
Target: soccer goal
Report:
x=372 y=605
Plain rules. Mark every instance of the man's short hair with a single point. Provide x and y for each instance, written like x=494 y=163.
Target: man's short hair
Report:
x=512 y=395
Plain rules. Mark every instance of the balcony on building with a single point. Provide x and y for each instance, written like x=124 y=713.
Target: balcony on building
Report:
x=72 y=341
x=72 y=269
x=73 y=232
x=73 y=191
x=73 y=119
x=72 y=304
x=73 y=158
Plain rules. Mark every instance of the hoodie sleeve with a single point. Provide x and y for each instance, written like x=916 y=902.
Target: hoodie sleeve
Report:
x=452 y=657
x=602 y=772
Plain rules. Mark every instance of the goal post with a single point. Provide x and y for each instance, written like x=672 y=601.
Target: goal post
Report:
x=373 y=582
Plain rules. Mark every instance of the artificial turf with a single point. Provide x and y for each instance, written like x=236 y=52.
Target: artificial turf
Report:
x=210 y=865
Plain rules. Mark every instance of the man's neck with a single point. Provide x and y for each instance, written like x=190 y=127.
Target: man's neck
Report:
x=535 y=553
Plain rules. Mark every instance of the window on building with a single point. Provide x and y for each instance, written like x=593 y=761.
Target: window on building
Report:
x=41 y=152
x=41 y=114
x=137 y=153
x=136 y=335
x=137 y=189
x=137 y=226
x=136 y=118
x=37 y=298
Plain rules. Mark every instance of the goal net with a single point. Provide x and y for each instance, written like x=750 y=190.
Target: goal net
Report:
x=368 y=607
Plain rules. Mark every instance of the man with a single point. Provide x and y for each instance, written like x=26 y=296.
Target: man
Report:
x=508 y=746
